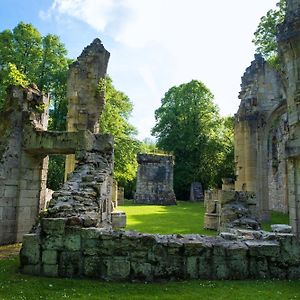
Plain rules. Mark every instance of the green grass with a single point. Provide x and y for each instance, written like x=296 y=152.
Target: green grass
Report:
x=275 y=218
x=17 y=286
x=185 y=217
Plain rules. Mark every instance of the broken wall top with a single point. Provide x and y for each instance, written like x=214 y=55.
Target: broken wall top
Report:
x=86 y=101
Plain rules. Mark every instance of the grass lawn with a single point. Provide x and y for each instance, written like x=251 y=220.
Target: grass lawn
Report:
x=184 y=218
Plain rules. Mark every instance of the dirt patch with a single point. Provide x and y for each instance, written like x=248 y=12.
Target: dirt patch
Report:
x=9 y=251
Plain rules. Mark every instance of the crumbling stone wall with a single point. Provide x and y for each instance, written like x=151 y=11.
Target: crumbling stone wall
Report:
x=289 y=45
x=85 y=99
x=260 y=136
x=226 y=208
x=25 y=144
x=74 y=251
x=22 y=175
x=155 y=180
x=267 y=129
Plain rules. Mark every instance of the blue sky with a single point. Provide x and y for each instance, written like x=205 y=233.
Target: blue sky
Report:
x=154 y=44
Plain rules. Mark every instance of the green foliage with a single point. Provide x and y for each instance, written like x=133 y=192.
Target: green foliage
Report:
x=26 y=56
x=188 y=124
x=265 y=35
x=56 y=171
x=114 y=120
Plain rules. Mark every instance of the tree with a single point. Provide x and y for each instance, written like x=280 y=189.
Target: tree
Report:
x=28 y=57
x=40 y=60
x=114 y=120
x=188 y=124
x=265 y=35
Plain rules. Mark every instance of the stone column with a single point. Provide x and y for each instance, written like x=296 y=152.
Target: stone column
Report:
x=85 y=99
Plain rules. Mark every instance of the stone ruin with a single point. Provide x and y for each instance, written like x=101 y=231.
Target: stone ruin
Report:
x=196 y=192
x=154 y=184
x=25 y=144
x=267 y=126
x=227 y=209
x=72 y=242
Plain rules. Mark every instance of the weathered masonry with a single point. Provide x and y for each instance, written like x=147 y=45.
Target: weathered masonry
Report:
x=25 y=144
x=267 y=129
x=155 y=180
x=74 y=251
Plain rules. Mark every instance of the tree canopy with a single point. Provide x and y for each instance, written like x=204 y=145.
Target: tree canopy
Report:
x=265 y=34
x=188 y=124
x=115 y=120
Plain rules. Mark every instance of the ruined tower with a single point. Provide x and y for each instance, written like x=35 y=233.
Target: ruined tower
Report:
x=85 y=97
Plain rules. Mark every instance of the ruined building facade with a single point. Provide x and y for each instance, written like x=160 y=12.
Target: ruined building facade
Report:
x=267 y=126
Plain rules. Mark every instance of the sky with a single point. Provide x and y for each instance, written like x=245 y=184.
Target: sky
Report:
x=154 y=44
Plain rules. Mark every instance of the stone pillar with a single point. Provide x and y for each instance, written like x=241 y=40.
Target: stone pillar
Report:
x=85 y=99
x=22 y=175
x=155 y=180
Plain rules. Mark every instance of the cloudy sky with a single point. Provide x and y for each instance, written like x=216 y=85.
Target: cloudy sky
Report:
x=154 y=44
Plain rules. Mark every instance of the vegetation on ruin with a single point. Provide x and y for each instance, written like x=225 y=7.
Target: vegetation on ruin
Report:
x=189 y=125
x=265 y=34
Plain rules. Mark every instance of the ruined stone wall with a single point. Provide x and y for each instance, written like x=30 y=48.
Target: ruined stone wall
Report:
x=73 y=251
x=85 y=99
x=260 y=134
x=22 y=175
x=155 y=180
x=277 y=165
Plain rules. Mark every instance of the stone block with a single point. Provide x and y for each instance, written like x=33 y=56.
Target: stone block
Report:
x=30 y=252
x=50 y=270
x=72 y=242
x=282 y=228
x=141 y=270
x=53 y=243
x=118 y=219
x=118 y=268
x=54 y=226
x=49 y=257
x=263 y=248
x=192 y=267
x=31 y=269
x=93 y=267
x=70 y=264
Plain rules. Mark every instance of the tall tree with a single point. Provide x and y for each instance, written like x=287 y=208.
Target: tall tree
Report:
x=114 y=120
x=188 y=124
x=28 y=57
x=265 y=34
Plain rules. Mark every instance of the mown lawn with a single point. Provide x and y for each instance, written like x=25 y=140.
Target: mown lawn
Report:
x=184 y=218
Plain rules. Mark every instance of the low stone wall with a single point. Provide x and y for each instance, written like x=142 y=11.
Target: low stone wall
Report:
x=70 y=251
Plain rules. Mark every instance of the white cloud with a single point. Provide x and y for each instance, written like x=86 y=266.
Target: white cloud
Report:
x=96 y=13
x=161 y=43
